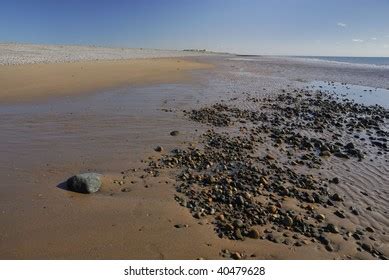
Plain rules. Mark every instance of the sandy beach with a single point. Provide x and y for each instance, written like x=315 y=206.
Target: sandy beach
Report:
x=64 y=117
x=33 y=81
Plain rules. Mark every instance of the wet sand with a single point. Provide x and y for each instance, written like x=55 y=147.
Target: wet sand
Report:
x=28 y=82
x=112 y=131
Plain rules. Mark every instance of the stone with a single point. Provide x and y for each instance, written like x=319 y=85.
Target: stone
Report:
x=273 y=209
x=332 y=228
x=329 y=248
x=84 y=183
x=336 y=197
x=287 y=221
x=270 y=157
x=180 y=226
x=320 y=217
x=197 y=215
x=278 y=239
x=238 y=223
x=354 y=211
x=174 y=133
x=253 y=233
x=158 y=149
x=367 y=247
x=324 y=240
x=236 y=256
x=220 y=217
x=339 y=214
x=356 y=236
x=369 y=229
x=238 y=234
x=335 y=180
x=325 y=154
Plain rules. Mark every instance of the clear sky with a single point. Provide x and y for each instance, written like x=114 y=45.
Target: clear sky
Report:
x=288 y=27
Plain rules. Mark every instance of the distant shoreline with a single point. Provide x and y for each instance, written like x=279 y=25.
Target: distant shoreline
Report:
x=16 y=54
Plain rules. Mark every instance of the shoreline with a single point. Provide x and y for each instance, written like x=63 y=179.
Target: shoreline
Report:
x=29 y=82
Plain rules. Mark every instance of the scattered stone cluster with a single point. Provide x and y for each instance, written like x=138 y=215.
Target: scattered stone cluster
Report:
x=234 y=181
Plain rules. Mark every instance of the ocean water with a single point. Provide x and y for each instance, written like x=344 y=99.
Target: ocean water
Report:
x=377 y=61
x=359 y=94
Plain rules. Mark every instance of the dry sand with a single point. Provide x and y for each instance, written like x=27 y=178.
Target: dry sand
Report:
x=31 y=81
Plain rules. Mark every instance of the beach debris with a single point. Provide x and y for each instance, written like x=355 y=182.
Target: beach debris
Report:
x=85 y=183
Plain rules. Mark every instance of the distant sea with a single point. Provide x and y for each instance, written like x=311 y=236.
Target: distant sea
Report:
x=378 y=61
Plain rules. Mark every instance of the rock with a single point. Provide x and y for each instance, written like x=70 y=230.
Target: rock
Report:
x=336 y=197
x=349 y=146
x=287 y=221
x=324 y=240
x=197 y=215
x=220 y=218
x=270 y=237
x=253 y=233
x=125 y=189
x=174 y=133
x=339 y=214
x=320 y=217
x=225 y=253
x=335 y=180
x=270 y=157
x=238 y=223
x=332 y=228
x=325 y=154
x=158 y=149
x=329 y=248
x=239 y=200
x=367 y=247
x=356 y=236
x=278 y=239
x=369 y=229
x=238 y=234
x=180 y=226
x=84 y=183
x=354 y=211
x=236 y=256
x=273 y=209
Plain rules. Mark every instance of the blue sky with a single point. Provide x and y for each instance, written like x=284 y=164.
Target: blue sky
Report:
x=288 y=27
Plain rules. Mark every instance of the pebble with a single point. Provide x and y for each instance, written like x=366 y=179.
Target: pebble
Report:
x=332 y=228
x=180 y=226
x=320 y=217
x=253 y=233
x=340 y=214
x=238 y=223
x=369 y=229
x=367 y=247
x=324 y=240
x=158 y=149
x=329 y=248
x=270 y=157
x=287 y=221
x=236 y=256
